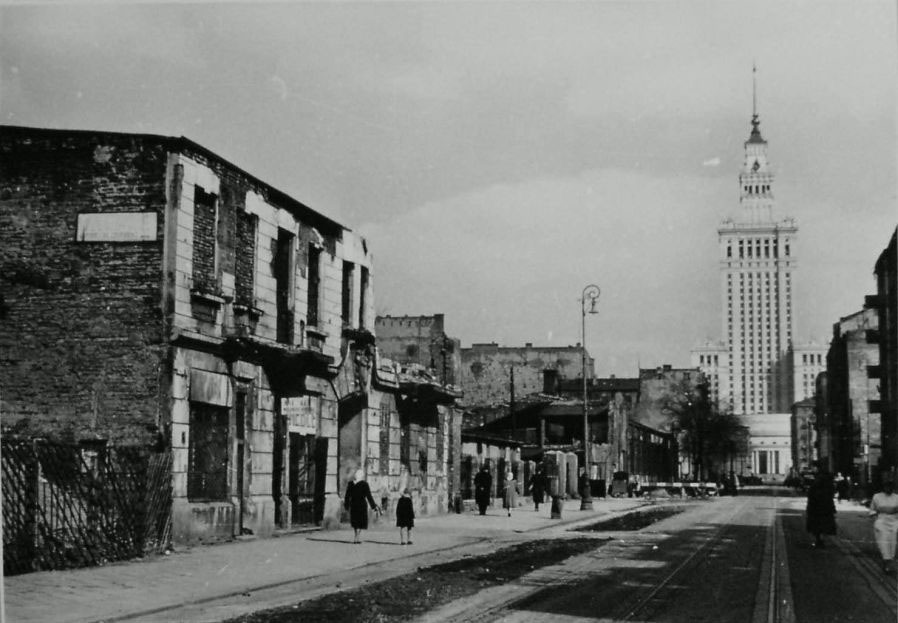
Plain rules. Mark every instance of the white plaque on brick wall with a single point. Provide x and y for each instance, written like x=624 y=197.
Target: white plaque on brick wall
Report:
x=117 y=227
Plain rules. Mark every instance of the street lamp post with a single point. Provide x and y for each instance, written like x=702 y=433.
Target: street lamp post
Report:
x=592 y=293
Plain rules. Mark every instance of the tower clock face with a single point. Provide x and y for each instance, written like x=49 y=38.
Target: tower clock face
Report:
x=755 y=166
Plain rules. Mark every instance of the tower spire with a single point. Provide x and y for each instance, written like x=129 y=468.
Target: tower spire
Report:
x=754 y=90
x=755 y=121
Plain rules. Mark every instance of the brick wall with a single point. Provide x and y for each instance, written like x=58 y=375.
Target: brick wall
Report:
x=81 y=329
x=420 y=340
x=244 y=262
x=485 y=372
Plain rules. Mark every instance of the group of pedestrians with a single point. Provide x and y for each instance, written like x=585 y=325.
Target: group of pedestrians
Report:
x=820 y=516
x=357 y=500
x=483 y=490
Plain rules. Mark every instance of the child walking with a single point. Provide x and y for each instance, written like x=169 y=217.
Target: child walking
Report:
x=405 y=517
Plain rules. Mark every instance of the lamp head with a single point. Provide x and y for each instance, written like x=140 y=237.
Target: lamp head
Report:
x=591 y=293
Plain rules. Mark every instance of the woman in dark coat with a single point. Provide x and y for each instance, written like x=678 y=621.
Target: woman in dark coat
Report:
x=538 y=487
x=405 y=517
x=357 y=499
x=483 y=485
x=820 y=514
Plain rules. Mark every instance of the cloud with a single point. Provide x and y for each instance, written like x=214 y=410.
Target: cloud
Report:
x=711 y=162
x=508 y=262
x=280 y=86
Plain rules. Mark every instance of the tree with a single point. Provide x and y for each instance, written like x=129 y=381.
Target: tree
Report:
x=709 y=437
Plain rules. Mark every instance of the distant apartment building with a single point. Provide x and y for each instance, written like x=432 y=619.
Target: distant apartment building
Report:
x=806 y=361
x=804 y=435
x=156 y=295
x=711 y=359
x=885 y=302
x=823 y=424
x=853 y=428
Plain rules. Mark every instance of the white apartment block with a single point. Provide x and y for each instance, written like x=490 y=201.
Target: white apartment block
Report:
x=808 y=360
x=711 y=358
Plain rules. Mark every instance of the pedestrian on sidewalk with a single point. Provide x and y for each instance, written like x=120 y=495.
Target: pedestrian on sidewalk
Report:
x=820 y=513
x=483 y=486
x=884 y=507
x=538 y=487
x=357 y=499
x=405 y=517
x=842 y=483
x=510 y=499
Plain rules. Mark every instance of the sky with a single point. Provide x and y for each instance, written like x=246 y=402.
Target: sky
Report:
x=501 y=156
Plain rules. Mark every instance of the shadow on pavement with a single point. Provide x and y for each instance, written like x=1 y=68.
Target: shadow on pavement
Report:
x=616 y=592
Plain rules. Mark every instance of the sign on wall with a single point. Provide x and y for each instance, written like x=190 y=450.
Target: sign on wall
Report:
x=301 y=416
x=117 y=227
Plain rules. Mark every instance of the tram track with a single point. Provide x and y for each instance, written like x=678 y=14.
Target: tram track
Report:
x=773 y=601
x=879 y=583
x=642 y=608
x=535 y=597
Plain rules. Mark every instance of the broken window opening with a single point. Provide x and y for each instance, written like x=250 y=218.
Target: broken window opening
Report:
x=314 y=281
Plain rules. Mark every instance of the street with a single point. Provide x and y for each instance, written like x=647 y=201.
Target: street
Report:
x=742 y=559
x=725 y=559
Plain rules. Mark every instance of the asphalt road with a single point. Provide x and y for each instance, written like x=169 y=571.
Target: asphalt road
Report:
x=727 y=560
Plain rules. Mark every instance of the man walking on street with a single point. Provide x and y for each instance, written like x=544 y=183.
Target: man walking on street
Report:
x=483 y=486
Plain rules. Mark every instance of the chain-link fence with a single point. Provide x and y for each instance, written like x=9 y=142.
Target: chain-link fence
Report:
x=70 y=505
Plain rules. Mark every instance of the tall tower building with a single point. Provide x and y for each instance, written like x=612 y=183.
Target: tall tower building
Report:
x=756 y=264
x=751 y=367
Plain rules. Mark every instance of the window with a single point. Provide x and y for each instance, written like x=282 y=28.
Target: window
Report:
x=207 y=469
x=346 y=311
x=314 y=282
x=550 y=381
x=282 y=267
x=363 y=290
x=384 y=440
x=245 y=262
x=204 y=240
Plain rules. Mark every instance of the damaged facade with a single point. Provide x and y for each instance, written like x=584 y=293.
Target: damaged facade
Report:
x=155 y=294
x=533 y=397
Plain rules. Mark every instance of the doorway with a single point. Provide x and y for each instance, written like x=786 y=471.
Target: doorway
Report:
x=306 y=471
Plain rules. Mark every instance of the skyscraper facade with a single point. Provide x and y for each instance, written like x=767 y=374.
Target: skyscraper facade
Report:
x=752 y=369
x=756 y=263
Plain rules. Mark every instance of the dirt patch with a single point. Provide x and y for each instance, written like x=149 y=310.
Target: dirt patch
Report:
x=635 y=520
x=408 y=596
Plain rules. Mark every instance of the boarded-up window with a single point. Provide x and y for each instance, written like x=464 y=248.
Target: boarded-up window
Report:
x=204 y=218
x=207 y=469
x=244 y=278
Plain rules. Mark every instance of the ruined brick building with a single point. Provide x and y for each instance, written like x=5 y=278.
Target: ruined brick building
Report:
x=421 y=341
x=488 y=371
x=156 y=294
